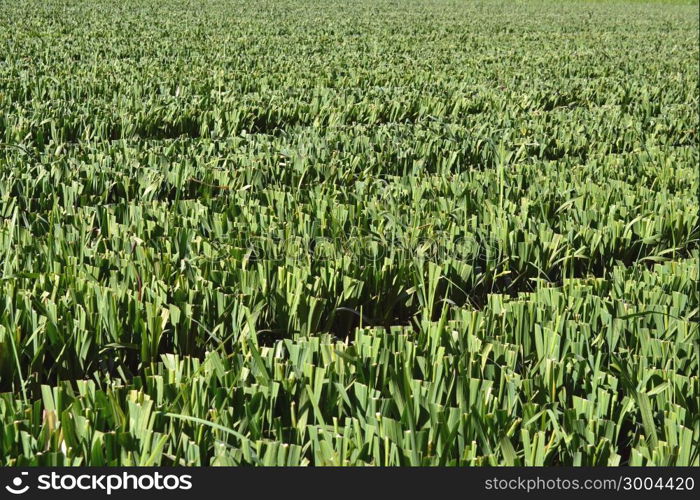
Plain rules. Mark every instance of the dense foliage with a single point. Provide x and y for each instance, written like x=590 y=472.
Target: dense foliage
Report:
x=384 y=232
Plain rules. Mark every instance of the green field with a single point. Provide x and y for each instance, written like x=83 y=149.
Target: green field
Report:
x=409 y=232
